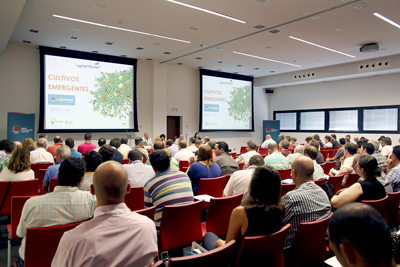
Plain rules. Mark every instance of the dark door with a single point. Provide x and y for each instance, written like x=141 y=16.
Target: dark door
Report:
x=173 y=127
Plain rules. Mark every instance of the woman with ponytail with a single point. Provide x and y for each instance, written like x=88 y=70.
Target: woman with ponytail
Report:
x=367 y=188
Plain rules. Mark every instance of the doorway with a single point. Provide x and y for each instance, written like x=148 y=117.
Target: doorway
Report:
x=173 y=127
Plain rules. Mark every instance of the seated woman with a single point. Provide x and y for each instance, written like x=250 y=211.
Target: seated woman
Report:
x=261 y=213
x=93 y=160
x=18 y=167
x=203 y=168
x=197 y=136
x=369 y=188
x=28 y=144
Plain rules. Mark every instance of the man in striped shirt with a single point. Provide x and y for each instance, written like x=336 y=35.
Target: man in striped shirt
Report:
x=167 y=187
x=275 y=158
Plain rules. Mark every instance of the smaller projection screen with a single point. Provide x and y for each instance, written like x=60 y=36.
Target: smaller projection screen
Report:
x=226 y=102
x=86 y=92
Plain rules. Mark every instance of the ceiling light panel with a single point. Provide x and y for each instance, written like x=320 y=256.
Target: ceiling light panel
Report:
x=320 y=46
x=387 y=20
x=268 y=59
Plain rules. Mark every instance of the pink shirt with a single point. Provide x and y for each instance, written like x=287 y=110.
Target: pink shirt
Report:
x=114 y=237
x=86 y=147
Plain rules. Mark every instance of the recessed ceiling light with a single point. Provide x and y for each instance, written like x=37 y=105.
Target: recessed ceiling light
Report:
x=139 y=48
x=100 y=6
x=207 y=11
x=27 y=42
x=167 y=53
x=204 y=45
x=121 y=29
x=387 y=20
x=74 y=38
x=199 y=58
x=269 y=47
x=179 y=63
x=259 y=27
x=193 y=28
x=320 y=46
x=256 y=68
x=272 y=71
x=268 y=59
x=220 y=62
x=274 y=31
x=361 y=5
x=96 y=52
x=218 y=48
x=109 y=43
x=238 y=65
x=337 y=30
x=149 y=59
x=34 y=31
x=63 y=47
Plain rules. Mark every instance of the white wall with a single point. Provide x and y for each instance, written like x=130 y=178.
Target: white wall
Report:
x=369 y=91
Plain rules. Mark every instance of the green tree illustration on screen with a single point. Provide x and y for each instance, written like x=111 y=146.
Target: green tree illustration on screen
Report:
x=113 y=94
x=240 y=103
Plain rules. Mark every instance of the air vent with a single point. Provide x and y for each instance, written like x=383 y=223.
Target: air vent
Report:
x=374 y=65
x=274 y=31
x=303 y=76
x=259 y=27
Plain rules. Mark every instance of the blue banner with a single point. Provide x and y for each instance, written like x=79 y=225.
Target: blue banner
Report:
x=20 y=126
x=272 y=128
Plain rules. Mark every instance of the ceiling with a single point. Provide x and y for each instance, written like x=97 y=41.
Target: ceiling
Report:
x=338 y=24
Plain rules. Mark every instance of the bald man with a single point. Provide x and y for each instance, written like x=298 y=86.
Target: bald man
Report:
x=307 y=202
x=115 y=236
x=268 y=140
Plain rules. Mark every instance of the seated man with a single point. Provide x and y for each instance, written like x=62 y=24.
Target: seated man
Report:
x=240 y=180
x=268 y=139
x=298 y=151
x=251 y=151
x=334 y=141
x=62 y=153
x=9 y=148
x=284 y=148
x=290 y=147
x=116 y=143
x=311 y=152
x=275 y=158
x=147 y=140
x=57 y=142
x=192 y=144
x=328 y=141
x=71 y=143
x=320 y=157
x=167 y=187
x=67 y=204
x=180 y=138
x=138 y=173
x=115 y=236
x=294 y=143
x=100 y=142
x=124 y=144
x=40 y=155
x=139 y=146
x=87 y=146
x=184 y=153
x=172 y=146
x=359 y=236
x=339 y=152
x=107 y=153
x=346 y=162
x=393 y=165
x=386 y=146
x=379 y=157
x=225 y=162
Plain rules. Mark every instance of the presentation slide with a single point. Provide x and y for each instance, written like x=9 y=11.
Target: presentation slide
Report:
x=226 y=103
x=82 y=94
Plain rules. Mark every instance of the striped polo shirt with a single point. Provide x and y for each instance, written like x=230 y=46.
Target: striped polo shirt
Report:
x=167 y=187
x=277 y=160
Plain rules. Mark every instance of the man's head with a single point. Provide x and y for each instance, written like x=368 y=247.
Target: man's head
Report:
x=182 y=144
x=158 y=145
x=206 y=139
x=115 y=142
x=348 y=141
x=396 y=155
x=18 y=144
x=57 y=139
x=159 y=160
x=42 y=143
x=101 y=141
x=134 y=155
x=251 y=145
x=212 y=143
x=107 y=152
x=181 y=137
x=308 y=139
x=267 y=137
x=285 y=144
x=347 y=136
x=43 y=135
x=9 y=147
x=315 y=144
x=124 y=140
x=311 y=152
x=333 y=137
x=70 y=142
x=256 y=160
x=162 y=137
x=62 y=152
x=359 y=236
x=350 y=149
x=71 y=171
x=387 y=141
x=2 y=143
x=138 y=141
x=221 y=147
x=342 y=141
x=356 y=139
x=88 y=137
x=302 y=170
x=293 y=140
x=375 y=144
x=146 y=135
x=299 y=149
x=192 y=141
x=368 y=148
x=198 y=143
x=169 y=142
x=327 y=138
x=316 y=137
x=110 y=184
x=93 y=160
x=281 y=137
x=272 y=147
x=287 y=138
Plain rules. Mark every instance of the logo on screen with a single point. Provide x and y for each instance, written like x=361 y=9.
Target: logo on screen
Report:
x=16 y=129
x=88 y=66
x=66 y=100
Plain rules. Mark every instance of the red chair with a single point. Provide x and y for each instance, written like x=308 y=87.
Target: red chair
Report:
x=53 y=184
x=158 y=264
x=144 y=160
x=328 y=166
x=325 y=148
x=37 y=166
x=323 y=166
x=148 y=212
x=378 y=204
x=212 y=186
x=180 y=225
x=125 y=161
x=17 y=188
x=45 y=240
x=233 y=155
x=333 y=152
x=284 y=173
x=227 y=177
x=42 y=173
x=243 y=149
x=263 y=151
x=336 y=181
x=135 y=199
x=325 y=153
x=183 y=163
x=219 y=214
x=320 y=182
x=286 y=188
x=241 y=165
x=391 y=213
x=309 y=245
x=352 y=178
x=17 y=203
x=217 y=257
x=265 y=250
x=184 y=169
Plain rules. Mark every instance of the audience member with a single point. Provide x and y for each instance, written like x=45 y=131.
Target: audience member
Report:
x=9 y=148
x=138 y=173
x=206 y=139
x=328 y=141
x=281 y=137
x=334 y=142
x=298 y=151
x=28 y=144
x=312 y=152
x=197 y=136
x=139 y=146
x=386 y=146
x=87 y=146
x=225 y=162
x=251 y=151
x=346 y=166
x=71 y=143
x=379 y=157
x=18 y=144
x=268 y=139
x=212 y=144
x=320 y=157
x=316 y=137
x=294 y=143
x=116 y=144
x=359 y=146
x=393 y=165
x=40 y=155
x=284 y=148
x=307 y=141
x=18 y=167
x=124 y=144
x=2 y=143
x=114 y=233
x=171 y=165
x=339 y=152
x=107 y=153
x=100 y=142
x=57 y=142
x=192 y=145
x=92 y=160
x=180 y=138
x=198 y=144
x=147 y=140
x=170 y=144
x=62 y=152
x=183 y=153
x=275 y=158
x=290 y=147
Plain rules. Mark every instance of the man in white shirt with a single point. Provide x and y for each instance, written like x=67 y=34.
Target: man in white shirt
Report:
x=177 y=140
x=184 y=153
x=138 y=173
x=298 y=151
x=206 y=139
x=115 y=236
x=312 y=153
x=192 y=144
x=251 y=151
x=387 y=146
x=347 y=162
x=124 y=144
x=172 y=146
x=268 y=140
x=239 y=181
x=147 y=140
x=40 y=155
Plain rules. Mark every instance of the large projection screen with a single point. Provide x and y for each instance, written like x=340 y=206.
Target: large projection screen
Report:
x=86 y=92
x=226 y=102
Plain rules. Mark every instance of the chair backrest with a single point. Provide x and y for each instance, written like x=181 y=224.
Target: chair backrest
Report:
x=144 y=160
x=325 y=148
x=184 y=169
x=180 y=225
x=284 y=173
x=183 y=163
x=265 y=250
x=325 y=153
x=40 y=178
x=263 y=151
x=328 y=166
x=135 y=199
x=323 y=166
x=125 y=161
x=309 y=245
x=320 y=182
x=286 y=188
x=333 y=152
x=233 y=155
x=37 y=166
x=158 y=264
x=17 y=203
x=217 y=257
x=212 y=186
x=391 y=213
x=17 y=188
x=336 y=181
x=241 y=165
x=53 y=184
x=378 y=204
x=352 y=178
x=243 y=149
x=219 y=213
x=148 y=212
x=41 y=243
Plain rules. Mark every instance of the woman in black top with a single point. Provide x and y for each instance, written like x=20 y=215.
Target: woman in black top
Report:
x=261 y=213
x=367 y=189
